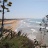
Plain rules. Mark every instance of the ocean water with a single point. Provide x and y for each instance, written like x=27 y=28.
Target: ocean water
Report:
x=31 y=27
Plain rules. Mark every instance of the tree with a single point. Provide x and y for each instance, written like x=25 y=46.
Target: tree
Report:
x=4 y=7
x=44 y=25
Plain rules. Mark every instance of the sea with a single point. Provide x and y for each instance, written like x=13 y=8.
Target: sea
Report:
x=31 y=28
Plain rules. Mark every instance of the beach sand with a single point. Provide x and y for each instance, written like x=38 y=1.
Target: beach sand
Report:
x=13 y=24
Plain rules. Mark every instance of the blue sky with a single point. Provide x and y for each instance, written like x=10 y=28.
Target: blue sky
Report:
x=27 y=9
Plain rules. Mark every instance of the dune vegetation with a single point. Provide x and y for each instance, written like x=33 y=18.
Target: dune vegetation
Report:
x=16 y=42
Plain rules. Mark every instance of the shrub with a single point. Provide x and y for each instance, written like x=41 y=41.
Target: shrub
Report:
x=19 y=33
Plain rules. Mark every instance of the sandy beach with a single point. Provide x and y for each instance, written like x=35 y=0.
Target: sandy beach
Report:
x=11 y=24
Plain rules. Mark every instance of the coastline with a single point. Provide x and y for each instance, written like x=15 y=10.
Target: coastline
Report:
x=11 y=24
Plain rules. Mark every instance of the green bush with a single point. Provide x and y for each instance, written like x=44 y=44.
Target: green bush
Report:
x=17 y=42
x=19 y=33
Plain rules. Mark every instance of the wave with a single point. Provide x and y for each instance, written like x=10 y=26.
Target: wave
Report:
x=38 y=22
x=29 y=27
x=30 y=33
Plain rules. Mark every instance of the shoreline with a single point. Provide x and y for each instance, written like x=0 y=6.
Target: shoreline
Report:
x=13 y=24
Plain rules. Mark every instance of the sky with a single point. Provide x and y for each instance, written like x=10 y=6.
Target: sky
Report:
x=27 y=9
